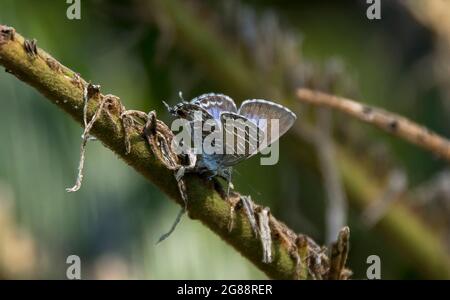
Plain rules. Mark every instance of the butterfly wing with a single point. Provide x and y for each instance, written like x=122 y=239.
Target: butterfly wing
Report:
x=263 y=112
x=240 y=138
x=189 y=111
x=215 y=104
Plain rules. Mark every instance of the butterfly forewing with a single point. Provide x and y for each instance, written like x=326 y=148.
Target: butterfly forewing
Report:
x=190 y=112
x=215 y=104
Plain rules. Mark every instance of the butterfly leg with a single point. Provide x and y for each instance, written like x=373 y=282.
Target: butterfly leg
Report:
x=192 y=161
x=226 y=174
x=184 y=197
x=159 y=137
x=212 y=175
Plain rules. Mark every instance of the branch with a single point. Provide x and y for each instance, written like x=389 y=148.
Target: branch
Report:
x=390 y=122
x=291 y=253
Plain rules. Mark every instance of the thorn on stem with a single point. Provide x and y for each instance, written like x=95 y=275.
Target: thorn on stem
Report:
x=53 y=64
x=266 y=239
x=76 y=80
x=339 y=254
x=234 y=203
x=6 y=34
x=93 y=90
x=31 y=47
x=250 y=212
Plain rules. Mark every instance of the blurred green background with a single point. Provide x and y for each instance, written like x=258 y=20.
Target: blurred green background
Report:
x=147 y=51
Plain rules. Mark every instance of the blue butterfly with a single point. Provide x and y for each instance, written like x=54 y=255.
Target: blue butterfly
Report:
x=255 y=118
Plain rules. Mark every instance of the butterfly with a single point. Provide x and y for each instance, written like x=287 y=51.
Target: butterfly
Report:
x=252 y=129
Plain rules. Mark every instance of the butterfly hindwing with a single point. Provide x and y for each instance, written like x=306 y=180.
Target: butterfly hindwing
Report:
x=263 y=113
x=241 y=137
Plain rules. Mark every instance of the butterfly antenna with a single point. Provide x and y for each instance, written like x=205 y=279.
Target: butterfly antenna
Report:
x=166 y=105
x=180 y=94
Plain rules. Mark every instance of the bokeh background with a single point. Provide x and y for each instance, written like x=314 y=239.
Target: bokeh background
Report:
x=331 y=167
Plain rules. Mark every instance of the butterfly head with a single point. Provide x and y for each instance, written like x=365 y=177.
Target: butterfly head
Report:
x=177 y=110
